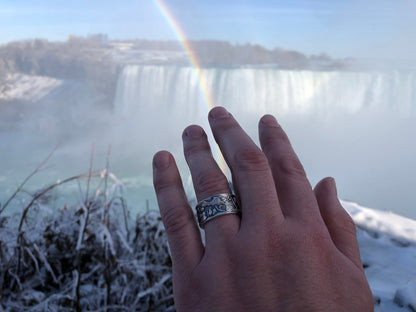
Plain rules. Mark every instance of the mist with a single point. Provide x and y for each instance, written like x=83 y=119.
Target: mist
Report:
x=346 y=120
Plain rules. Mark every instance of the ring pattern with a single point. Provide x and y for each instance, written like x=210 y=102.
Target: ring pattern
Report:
x=215 y=206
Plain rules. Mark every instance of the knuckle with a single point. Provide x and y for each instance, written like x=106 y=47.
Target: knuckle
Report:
x=192 y=150
x=274 y=242
x=311 y=233
x=342 y=221
x=316 y=239
x=290 y=165
x=164 y=184
x=226 y=124
x=251 y=159
x=211 y=182
x=161 y=185
x=176 y=218
x=347 y=224
x=275 y=138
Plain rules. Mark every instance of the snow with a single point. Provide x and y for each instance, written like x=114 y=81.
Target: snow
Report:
x=27 y=87
x=388 y=251
x=407 y=295
x=139 y=259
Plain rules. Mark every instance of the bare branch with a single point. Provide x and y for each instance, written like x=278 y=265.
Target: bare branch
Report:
x=28 y=178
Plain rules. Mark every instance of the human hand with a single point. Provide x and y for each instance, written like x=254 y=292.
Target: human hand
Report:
x=293 y=249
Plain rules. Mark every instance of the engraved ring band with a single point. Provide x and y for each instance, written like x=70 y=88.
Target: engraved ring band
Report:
x=215 y=206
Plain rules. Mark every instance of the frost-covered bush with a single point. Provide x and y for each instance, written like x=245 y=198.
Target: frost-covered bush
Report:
x=85 y=257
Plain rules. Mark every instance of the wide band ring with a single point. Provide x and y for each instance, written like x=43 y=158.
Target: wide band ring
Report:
x=215 y=206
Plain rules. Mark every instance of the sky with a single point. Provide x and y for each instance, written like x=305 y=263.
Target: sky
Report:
x=341 y=28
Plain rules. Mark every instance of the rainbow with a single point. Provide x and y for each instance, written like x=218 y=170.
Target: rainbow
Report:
x=180 y=35
x=202 y=81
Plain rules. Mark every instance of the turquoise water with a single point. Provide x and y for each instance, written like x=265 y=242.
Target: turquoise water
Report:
x=356 y=127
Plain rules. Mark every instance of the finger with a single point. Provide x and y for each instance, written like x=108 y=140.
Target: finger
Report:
x=293 y=188
x=250 y=170
x=182 y=231
x=208 y=180
x=339 y=223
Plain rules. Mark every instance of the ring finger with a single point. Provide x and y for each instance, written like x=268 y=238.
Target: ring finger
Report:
x=208 y=180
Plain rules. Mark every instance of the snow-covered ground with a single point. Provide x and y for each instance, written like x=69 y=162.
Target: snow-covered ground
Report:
x=26 y=87
x=388 y=250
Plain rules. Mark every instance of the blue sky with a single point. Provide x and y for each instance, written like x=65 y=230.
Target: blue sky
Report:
x=361 y=28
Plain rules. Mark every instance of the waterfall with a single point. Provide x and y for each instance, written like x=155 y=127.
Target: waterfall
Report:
x=266 y=90
x=357 y=126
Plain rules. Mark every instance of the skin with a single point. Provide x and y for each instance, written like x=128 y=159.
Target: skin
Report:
x=293 y=249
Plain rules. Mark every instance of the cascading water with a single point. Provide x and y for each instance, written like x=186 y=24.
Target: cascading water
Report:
x=356 y=126
x=261 y=90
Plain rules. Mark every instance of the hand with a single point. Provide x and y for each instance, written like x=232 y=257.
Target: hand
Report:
x=293 y=249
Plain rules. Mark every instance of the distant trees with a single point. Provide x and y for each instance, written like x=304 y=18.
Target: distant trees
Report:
x=91 y=58
x=77 y=58
x=157 y=45
x=87 y=60
x=223 y=53
x=214 y=53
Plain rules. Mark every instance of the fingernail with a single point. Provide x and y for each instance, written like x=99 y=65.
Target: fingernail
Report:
x=162 y=160
x=193 y=132
x=218 y=113
x=270 y=121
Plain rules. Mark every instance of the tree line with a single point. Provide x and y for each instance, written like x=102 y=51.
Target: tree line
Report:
x=92 y=58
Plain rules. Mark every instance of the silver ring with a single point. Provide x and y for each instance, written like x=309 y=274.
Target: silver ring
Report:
x=215 y=206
